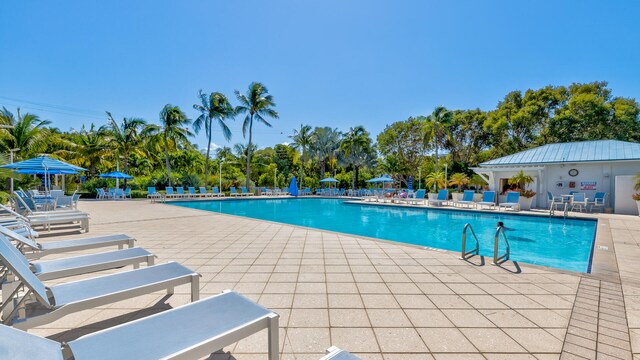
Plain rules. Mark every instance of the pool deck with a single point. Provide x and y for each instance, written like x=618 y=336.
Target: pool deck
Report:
x=377 y=299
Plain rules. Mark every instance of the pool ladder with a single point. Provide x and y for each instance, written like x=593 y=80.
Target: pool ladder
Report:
x=474 y=251
x=497 y=259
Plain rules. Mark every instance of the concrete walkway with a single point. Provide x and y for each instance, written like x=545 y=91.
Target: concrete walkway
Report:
x=381 y=300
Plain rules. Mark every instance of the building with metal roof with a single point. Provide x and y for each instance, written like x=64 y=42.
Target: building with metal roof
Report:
x=606 y=166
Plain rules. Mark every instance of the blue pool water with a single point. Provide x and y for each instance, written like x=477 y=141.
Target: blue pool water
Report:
x=559 y=243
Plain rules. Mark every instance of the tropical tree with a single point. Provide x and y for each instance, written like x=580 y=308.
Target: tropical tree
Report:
x=325 y=143
x=520 y=180
x=437 y=179
x=438 y=121
x=302 y=141
x=357 y=150
x=25 y=132
x=214 y=106
x=460 y=180
x=90 y=147
x=125 y=138
x=257 y=104
x=171 y=134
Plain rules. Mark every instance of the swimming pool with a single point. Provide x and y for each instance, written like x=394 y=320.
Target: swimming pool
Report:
x=559 y=243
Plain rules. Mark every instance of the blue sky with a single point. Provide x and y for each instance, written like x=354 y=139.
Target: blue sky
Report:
x=327 y=63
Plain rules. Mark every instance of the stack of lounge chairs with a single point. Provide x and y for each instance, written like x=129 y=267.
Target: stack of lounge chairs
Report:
x=191 y=331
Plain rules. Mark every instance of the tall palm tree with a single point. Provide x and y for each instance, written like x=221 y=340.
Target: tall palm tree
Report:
x=439 y=119
x=171 y=133
x=357 y=150
x=125 y=138
x=302 y=141
x=257 y=104
x=324 y=145
x=214 y=106
x=27 y=132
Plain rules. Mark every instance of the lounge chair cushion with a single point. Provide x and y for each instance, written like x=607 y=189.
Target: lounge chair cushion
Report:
x=20 y=345
x=97 y=287
x=190 y=325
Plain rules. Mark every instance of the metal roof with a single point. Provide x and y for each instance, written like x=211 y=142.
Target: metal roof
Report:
x=573 y=152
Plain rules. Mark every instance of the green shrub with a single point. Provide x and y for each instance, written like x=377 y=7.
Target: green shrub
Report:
x=4 y=197
x=90 y=186
x=189 y=180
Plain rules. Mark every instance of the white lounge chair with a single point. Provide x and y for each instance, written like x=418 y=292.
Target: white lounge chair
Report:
x=488 y=199
x=191 y=331
x=443 y=196
x=62 y=299
x=152 y=194
x=245 y=192
x=467 y=199
x=233 y=191
x=35 y=250
x=513 y=201
x=204 y=193
x=216 y=192
x=84 y=264
x=579 y=201
x=48 y=218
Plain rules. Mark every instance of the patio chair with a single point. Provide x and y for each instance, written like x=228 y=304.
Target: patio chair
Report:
x=112 y=193
x=245 y=192
x=127 y=193
x=216 y=192
x=192 y=192
x=512 y=202
x=418 y=197
x=233 y=191
x=579 y=201
x=48 y=218
x=169 y=193
x=34 y=250
x=467 y=199
x=190 y=331
x=181 y=193
x=553 y=202
x=56 y=301
x=443 y=195
x=101 y=194
x=598 y=201
x=204 y=193
x=488 y=199
x=334 y=353
x=152 y=194
x=84 y=264
x=74 y=200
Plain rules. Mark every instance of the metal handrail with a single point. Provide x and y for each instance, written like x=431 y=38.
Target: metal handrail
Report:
x=497 y=260
x=476 y=250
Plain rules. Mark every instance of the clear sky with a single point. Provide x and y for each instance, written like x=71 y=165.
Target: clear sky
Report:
x=336 y=63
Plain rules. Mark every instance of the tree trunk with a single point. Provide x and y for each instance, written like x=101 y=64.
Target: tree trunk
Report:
x=323 y=168
x=356 y=177
x=166 y=158
x=126 y=167
x=248 y=180
x=206 y=161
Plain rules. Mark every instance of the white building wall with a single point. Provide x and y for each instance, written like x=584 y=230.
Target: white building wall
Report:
x=603 y=174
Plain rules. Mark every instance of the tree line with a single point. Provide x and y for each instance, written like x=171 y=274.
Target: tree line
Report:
x=162 y=154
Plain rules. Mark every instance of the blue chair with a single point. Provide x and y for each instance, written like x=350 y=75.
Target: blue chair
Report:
x=488 y=199
x=467 y=199
x=598 y=201
x=443 y=196
x=513 y=201
x=418 y=197
x=579 y=201
x=233 y=191
x=216 y=192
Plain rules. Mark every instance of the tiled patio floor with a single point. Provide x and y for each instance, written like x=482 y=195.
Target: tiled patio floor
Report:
x=377 y=299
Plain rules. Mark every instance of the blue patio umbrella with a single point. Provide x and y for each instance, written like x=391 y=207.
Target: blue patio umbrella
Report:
x=116 y=175
x=50 y=172
x=329 y=180
x=293 y=188
x=42 y=165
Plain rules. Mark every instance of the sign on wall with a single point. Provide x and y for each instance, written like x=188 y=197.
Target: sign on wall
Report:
x=560 y=185
x=588 y=185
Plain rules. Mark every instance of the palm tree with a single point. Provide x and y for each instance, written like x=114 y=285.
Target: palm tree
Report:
x=213 y=106
x=257 y=104
x=439 y=119
x=171 y=133
x=26 y=132
x=460 y=180
x=324 y=144
x=356 y=149
x=89 y=147
x=436 y=179
x=125 y=138
x=302 y=141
